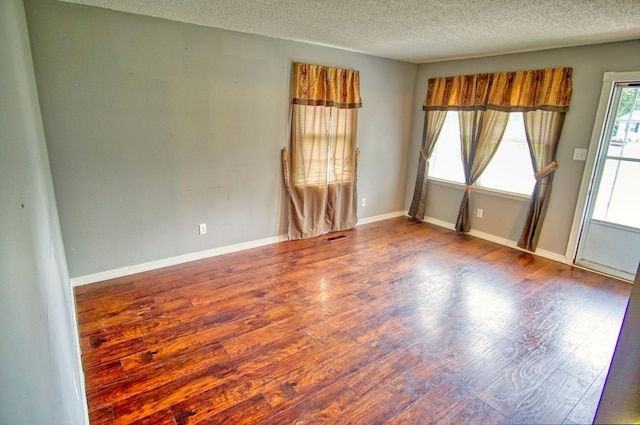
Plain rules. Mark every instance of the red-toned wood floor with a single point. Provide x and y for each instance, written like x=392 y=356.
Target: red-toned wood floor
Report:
x=397 y=322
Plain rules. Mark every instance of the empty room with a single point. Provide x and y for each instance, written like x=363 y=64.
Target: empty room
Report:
x=284 y=212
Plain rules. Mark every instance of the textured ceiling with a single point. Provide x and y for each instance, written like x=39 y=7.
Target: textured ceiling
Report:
x=410 y=30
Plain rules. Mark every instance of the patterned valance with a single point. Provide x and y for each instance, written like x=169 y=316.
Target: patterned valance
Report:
x=318 y=85
x=547 y=89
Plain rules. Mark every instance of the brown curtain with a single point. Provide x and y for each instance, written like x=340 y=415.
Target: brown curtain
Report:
x=433 y=121
x=546 y=90
x=321 y=174
x=480 y=135
x=543 y=130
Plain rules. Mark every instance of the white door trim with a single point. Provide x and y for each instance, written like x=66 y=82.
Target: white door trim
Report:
x=608 y=81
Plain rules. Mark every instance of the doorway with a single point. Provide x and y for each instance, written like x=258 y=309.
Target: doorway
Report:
x=609 y=237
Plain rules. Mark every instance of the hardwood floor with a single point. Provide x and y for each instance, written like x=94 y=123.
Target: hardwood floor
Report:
x=397 y=322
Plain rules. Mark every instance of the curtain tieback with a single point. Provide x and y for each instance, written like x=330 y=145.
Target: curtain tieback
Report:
x=424 y=155
x=467 y=188
x=285 y=168
x=548 y=169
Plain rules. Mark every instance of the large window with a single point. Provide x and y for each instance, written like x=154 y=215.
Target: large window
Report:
x=327 y=145
x=510 y=170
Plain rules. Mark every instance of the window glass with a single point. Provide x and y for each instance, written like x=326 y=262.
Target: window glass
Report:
x=510 y=169
x=446 y=159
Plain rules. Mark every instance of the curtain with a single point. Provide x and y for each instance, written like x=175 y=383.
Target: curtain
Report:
x=321 y=169
x=547 y=90
x=480 y=135
x=519 y=91
x=433 y=122
x=543 y=130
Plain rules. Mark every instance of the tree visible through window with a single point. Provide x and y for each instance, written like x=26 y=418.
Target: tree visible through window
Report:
x=510 y=169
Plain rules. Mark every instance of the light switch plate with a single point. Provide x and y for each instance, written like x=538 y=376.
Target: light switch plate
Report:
x=580 y=154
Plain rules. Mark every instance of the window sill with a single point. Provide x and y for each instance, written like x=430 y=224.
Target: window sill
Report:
x=480 y=189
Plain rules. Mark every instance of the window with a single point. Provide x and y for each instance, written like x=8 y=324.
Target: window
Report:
x=327 y=145
x=321 y=177
x=620 y=169
x=510 y=170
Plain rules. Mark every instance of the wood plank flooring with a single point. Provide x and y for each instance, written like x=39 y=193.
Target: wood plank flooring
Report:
x=397 y=322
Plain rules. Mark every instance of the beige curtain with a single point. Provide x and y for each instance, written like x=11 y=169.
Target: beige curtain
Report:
x=433 y=121
x=546 y=90
x=543 y=130
x=480 y=135
x=321 y=170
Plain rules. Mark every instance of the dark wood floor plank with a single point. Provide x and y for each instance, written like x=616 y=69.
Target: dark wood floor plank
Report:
x=306 y=379
x=159 y=398
x=419 y=412
x=102 y=416
x=153 y=374
x=104 y=374
x=247 y=412
x=216 y=399
x=323 y=407
x=392 y=322
x=585 y=411
x=388 y=398
x=163 y=417
x=545 y=353
x=129 y=317
x=476 y=412
x=110 y=353
x=552 y=401
x=386 y=368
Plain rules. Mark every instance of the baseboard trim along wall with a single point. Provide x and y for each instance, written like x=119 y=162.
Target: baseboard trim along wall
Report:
x=173 y=261
x=381 y=217
x=180 y=259
x=502 y=241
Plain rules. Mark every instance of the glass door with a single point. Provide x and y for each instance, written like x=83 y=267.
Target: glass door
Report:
x=610 y=238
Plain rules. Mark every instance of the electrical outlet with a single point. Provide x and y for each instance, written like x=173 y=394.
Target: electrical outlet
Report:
x=203 y=229
x=479 y=213
x=364 y=202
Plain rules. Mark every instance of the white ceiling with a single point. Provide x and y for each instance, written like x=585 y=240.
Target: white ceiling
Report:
x=409 y=30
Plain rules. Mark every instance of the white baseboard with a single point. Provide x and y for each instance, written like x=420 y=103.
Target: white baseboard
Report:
x=180 y=259
x=440 y=223
x=381 y=217
x=501 y=241
x=172 y=261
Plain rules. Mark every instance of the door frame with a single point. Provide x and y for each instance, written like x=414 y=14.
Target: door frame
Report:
x=608 y=83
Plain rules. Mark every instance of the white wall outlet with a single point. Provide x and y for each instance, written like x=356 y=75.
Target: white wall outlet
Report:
x=364 y=202
x=580 y=154
x=479 y=213
x=202 y=229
